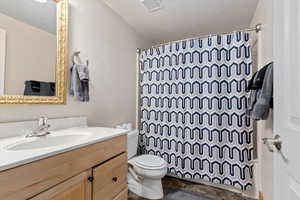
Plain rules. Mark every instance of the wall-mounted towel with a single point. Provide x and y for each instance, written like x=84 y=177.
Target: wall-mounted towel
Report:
x=79 y=82
x=257 y=79
x=261 y=97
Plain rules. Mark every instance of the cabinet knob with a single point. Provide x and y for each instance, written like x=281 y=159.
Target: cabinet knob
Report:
x=115 y=179
x=91 y=179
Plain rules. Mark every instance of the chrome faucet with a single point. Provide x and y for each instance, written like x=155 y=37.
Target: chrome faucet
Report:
x=42 y=129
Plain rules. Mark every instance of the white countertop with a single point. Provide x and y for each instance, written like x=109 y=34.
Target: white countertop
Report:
x=90 y=135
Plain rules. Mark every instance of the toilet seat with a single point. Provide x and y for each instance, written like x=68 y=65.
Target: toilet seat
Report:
x=149 y=162
x=149 y=166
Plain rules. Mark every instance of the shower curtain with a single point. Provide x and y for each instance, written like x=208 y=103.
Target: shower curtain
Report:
x=192 y=108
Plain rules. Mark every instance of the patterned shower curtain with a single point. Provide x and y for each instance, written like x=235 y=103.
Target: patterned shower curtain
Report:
x=192 y=112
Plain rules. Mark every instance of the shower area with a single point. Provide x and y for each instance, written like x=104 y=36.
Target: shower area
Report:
x=192 y=102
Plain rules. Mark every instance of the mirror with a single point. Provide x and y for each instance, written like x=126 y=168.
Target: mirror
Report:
x=33 y=42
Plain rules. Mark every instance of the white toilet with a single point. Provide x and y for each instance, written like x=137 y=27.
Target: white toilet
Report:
x=145 y=172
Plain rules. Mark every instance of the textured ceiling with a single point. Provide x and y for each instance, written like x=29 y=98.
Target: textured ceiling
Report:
x=40 y=15
x=185 y=18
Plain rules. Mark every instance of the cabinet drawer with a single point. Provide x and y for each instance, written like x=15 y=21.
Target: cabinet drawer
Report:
x=110 y=178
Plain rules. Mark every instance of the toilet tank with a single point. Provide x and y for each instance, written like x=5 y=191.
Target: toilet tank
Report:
x=132 y=143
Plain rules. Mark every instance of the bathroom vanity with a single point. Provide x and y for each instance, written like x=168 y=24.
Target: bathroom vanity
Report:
x=70 y=164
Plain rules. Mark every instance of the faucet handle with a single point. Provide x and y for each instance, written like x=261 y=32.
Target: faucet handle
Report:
x=42 y=121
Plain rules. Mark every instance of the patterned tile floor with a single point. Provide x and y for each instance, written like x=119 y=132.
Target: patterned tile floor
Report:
x=191 y=191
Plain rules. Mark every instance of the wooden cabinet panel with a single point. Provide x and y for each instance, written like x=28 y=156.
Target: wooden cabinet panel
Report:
x=76 y=188
x=122 y=196
x=110 y=178
x=28 y=180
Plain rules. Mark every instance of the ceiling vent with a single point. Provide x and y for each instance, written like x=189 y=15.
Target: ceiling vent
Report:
x=152 y=5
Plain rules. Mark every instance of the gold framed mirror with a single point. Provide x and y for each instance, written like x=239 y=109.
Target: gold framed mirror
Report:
x=33 y=52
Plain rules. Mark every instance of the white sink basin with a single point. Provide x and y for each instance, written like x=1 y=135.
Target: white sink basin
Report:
x=17 y=151
x=43 y=142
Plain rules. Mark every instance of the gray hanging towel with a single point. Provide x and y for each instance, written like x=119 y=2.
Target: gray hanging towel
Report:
x=79 y=82
x=260 y=100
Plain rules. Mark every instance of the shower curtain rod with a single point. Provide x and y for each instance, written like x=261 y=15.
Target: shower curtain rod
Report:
x=257 y=29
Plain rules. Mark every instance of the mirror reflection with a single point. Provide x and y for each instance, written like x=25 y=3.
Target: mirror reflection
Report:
x=28 y=47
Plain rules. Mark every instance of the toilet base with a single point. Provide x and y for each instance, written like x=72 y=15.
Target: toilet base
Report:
x=145 y=187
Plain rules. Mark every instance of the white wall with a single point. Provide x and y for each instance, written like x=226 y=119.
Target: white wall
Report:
x=110 y=45
x=264 y=15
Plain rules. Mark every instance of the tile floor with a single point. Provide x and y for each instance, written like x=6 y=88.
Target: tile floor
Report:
x=176 y=189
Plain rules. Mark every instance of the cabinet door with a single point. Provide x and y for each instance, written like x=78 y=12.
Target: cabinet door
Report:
x=110 y=178
x=76 y=188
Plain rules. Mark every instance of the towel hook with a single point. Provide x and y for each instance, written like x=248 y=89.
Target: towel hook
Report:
x=76 y=55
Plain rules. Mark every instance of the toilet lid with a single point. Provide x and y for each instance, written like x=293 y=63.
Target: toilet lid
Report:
x=150 y=162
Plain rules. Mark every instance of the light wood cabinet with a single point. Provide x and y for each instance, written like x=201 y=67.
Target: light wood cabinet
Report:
x=122 y=195
x=110 y=178
x=94 y=172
